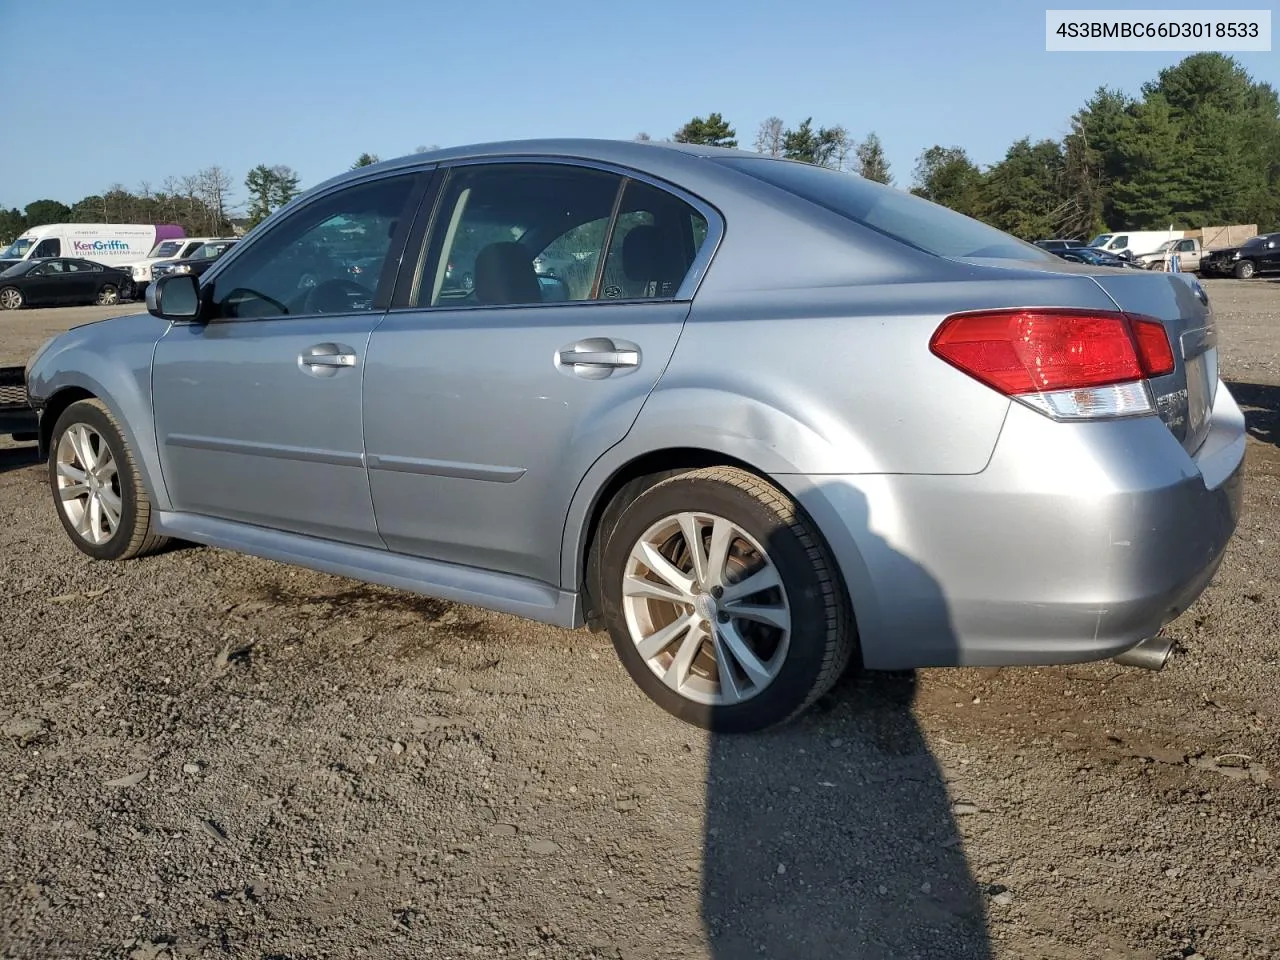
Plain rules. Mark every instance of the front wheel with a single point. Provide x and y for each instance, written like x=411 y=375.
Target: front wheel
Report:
x=722 y=601
x=1244 y=270
x=100 y=498
x=10 y=299
x=108 y=296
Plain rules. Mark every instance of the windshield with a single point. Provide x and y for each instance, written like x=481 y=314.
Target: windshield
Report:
x=18 y=249
x=906 y=218
x=166 y=248
x=18 y=269
x=1166 y=246
x=1254 y=242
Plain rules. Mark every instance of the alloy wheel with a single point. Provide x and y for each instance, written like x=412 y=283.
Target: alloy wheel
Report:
x=706 y=608
x=88 y=483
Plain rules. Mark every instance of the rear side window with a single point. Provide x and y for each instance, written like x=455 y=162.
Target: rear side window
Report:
x=902 y=216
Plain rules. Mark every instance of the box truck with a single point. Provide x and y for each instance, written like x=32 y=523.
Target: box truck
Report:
x=110 y=244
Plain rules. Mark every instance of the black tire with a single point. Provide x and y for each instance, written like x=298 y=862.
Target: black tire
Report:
x=11 y=298
x=823 y=636
x=108 y=295
x=133 y=536
x=1244 y=270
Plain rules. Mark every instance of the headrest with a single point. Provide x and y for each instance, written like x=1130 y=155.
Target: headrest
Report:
x=504 y=274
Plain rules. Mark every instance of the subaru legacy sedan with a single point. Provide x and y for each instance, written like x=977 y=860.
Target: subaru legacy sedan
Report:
x=763 y=421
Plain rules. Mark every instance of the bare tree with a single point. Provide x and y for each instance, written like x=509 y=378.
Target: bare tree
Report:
x=770 y=136
x=213 y=187
x=643 y=137
x=423 y=148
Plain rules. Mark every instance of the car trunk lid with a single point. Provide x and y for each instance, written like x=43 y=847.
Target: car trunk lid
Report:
x=1184 y=398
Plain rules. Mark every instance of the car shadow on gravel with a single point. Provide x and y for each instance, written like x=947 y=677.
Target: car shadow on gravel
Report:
x=18 y=458
x=1261 y=405
x=835 y=836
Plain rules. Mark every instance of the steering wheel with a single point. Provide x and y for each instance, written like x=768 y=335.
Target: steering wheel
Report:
x=324 y=297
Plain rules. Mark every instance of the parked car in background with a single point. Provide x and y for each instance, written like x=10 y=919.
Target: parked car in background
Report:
x=1098 y=258
x=197 y=262
x=165 y=250
x=1056 y=246
x=1133 y=242
x=110 y=244
x=1260 y=254
x=62 y=280
x=727 y=452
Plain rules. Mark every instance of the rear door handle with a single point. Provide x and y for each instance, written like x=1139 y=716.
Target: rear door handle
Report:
x=596 y=358
x=602 y=358
x=330 y=360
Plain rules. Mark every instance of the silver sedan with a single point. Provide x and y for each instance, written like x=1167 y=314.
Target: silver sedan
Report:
x=781 y=420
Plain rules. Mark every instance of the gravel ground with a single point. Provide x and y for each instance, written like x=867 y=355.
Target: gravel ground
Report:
x=212 y=755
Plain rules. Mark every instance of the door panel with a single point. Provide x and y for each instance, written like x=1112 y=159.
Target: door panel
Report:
x=249 y=430
x=477 y=434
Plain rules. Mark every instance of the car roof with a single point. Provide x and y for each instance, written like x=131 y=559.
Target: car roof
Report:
x=650 y=154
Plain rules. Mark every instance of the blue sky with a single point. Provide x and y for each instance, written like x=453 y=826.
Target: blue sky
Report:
x=133 y=90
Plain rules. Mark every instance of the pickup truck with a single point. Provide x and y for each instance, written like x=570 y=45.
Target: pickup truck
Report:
x=1188 y=251
x=17 y=417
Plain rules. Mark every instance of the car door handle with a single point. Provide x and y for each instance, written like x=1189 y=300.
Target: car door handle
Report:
x=330 y=360
x=601 y=358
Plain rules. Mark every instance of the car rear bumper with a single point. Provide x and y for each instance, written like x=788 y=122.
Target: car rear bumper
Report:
x=1076 y=543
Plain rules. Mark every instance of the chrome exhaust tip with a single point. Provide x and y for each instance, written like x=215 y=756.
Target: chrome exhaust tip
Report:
x=1150 y=654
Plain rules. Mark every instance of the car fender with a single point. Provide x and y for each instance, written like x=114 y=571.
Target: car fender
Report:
x=781 y=445
x=112 y=361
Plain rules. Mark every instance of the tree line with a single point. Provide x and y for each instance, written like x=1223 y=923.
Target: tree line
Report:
x=1200 y=146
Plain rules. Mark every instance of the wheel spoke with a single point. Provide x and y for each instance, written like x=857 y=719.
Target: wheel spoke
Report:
x=83 y=446
x=692 y=530
x=106 y=468
x=730 y=692
x=95 y=519
x=73 y=491
x=763 y=579
x=722 y=537
x=665 y=569
x=658 y=641
x=81 y=521
x=71 y=472
x=737 y=647
x=771 y=614
x=111 y=507
x=678 y=672
x=651 y=590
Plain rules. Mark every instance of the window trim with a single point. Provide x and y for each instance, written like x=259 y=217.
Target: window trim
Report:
x=428 y=215
x=423 y=179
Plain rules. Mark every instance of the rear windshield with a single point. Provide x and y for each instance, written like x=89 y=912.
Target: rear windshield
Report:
x=903 y=216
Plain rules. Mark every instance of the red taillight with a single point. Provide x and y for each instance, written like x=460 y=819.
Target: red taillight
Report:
x=1042 y=350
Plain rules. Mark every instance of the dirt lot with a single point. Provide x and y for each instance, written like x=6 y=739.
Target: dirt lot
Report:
x=211 y=755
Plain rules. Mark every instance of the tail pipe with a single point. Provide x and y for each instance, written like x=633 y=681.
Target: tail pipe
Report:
x=1150 y=654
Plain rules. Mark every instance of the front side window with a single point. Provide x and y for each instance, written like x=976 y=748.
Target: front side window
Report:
x=49 y=248
x=301 y=267
x=495 y=221
x=1119 y=243
x=1187 y=246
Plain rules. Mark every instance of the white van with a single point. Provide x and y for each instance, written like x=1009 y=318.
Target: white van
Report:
x=111 y=244
x=1135 y=242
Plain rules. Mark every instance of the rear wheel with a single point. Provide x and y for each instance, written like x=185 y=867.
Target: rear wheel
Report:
x=10 y=298
x=108 y=296
x=722 y=601
x=1244 y=270
x=96 y=487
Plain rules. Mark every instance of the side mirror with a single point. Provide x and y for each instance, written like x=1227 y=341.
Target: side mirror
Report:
x=175 y=297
